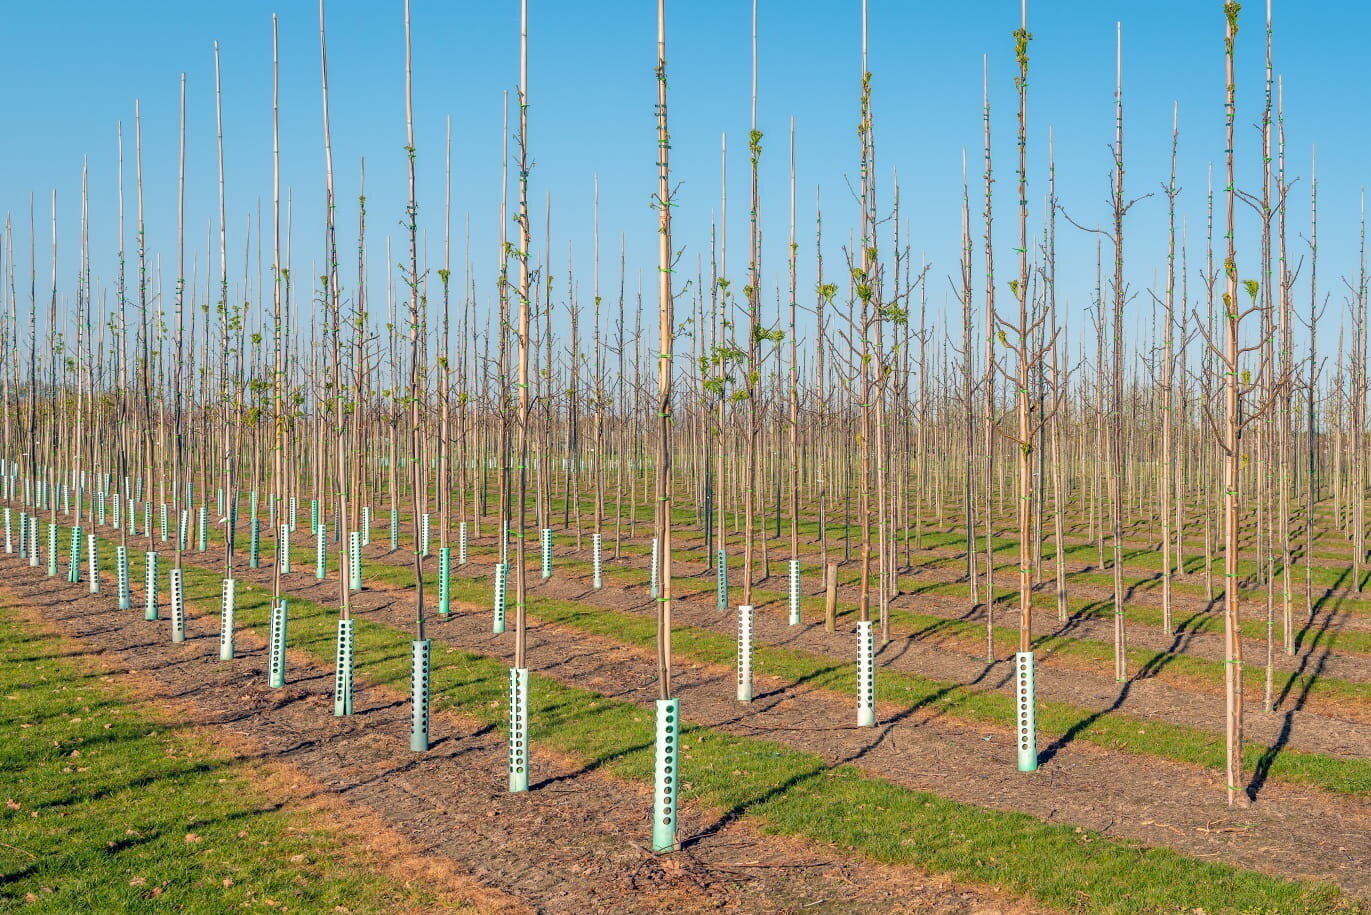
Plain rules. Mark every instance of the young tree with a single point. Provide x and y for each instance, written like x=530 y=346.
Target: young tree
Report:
x=668 y=708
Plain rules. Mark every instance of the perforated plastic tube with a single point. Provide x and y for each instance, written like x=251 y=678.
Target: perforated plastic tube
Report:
x=668 y=775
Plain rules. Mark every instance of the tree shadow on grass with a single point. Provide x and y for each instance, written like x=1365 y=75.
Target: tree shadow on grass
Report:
x=1310 y=668
x=740 y=809
x=1085 y=724
x=812 y=676
x=1261 y=772
x=1319 y=605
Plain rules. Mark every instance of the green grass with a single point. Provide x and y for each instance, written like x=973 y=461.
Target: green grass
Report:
x=111 y=806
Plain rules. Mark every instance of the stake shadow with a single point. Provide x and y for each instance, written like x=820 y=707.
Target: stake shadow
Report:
x=1262 y=770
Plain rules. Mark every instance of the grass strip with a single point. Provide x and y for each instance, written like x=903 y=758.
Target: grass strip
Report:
x=112 y=806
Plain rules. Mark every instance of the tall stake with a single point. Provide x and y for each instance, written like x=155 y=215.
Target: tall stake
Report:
x=420 y=659
x=518 y=711
x=1116 y=389
x=1232 y=438
x=1028 y=357
x=668 y=708
x=342 y=683
x=178 y=608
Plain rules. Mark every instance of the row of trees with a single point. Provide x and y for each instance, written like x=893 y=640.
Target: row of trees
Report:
x=1211 y=440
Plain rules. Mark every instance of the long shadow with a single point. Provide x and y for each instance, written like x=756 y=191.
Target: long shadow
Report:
x=123 y=844
x=739 y=810
x=142 y=781
x=938 y=627
x=895 y=650
x=1191 y=628
x=74 y=653
x=598 y=762
x=1262 y=770
x=801 y=681
x=1085 y=724
x=1328 y=595
x=1321 y=636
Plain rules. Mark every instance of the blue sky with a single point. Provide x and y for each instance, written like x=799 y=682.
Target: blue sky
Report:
x=74 y=69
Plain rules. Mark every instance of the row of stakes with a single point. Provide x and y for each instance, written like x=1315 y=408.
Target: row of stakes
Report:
x=25 y=540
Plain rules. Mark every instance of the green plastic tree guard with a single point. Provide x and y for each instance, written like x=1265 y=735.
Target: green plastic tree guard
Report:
x=721 y=578
x=93 y=563
x=444 y=581
x=150 y=586
x=283 y=548
x=342 y=670
x=320 y=552
x=1028 y=730
x=654 y=587
x=501 y=596
x=866 y=675
x=744 y=653
x=518 y=729
x=121 y=576
x=419 y=685
x=794 y=591
x=394 y=529
x=178 y=606
x=668 y=776
x=228 y=607
x=355 y=560
x=597 y=560
x=74 y=557
x=546 y=543
x=276 y=644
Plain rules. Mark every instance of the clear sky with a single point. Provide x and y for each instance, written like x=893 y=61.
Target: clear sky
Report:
x=73 y=70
